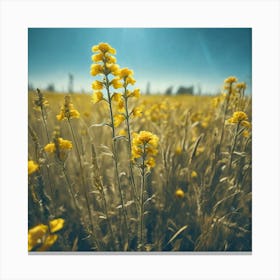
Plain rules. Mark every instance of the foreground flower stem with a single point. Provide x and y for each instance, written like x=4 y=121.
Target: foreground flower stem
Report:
x=234 y=144
x=84 y=185
x=129 y=153
x=140 y=242
x=115 y=157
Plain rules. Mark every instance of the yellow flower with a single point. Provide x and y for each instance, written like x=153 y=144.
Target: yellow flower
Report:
x=48 y=242
x=118 y=119
x=113 y=69
x=193 y=174
x=238 y=117
x=56 y=225
x=111 y=59
x=104 y=47
x=179 y=193
x=121 y=105
x=125 y=72
x=137 y=111
x=97 y=57
x=240 y=86
x=97 y=85
x=178 y=150
x=32 y=167
x=116 y=83
x=230 y=80
x=97 y=96
x=117 y=97
x=96 y=69
x=50 y=148
x=130 y=80
x=67 y=111
x=245 y=124
x=64 y=144
x=245 y=133
x=122 y=132
x=134 y=93
x=144 y=144
x=35 y=235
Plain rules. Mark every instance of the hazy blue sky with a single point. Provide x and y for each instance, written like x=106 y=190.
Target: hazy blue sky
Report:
x=163 y=56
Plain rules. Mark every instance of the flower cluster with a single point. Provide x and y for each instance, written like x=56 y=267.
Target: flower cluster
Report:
x=40 y=102
x=59 y=146
x=32 y=167
x=41 y=237
x=67 y=110
x=144 y=145
x=240 y=118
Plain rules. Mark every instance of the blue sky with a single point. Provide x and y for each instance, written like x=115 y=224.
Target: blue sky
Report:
x=202 y=57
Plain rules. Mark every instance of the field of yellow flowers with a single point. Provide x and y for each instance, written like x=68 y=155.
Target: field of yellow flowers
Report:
x=121 y=171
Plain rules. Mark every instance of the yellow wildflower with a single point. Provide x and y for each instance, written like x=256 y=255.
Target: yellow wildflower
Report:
x=150 y=163
x=122 y=132
x=104 y=48
x=137 y=111
x=121 y=105
x=117 y=97
x=116 y=83
x=134 y=93
x=111 y=59
x=178 y=150
x=48 y=242
x=35 y=235
x=32 y=167
x=113 y=69
x=97 y=85
x=97 y=96
x=56 y=225
x=230 y=80
x=118 y=119
x=62 y=145
x=67 y=111
x=179 y=193
x=97 y=57
x=194 y=174
x=245 y=133
x=50 y=148
x=130 y=80
x=96 y=69
x=125 y=72
x=238 y=117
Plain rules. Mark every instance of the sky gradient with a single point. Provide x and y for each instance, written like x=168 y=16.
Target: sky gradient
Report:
x=202 y=57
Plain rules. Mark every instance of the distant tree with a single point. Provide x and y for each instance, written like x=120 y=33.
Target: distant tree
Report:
x=70 y=83
x=148 y=88
x=169 y=90
x=185 y=90
x=50 y=87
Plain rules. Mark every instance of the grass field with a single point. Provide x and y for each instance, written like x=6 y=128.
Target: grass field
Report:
x=139 y=173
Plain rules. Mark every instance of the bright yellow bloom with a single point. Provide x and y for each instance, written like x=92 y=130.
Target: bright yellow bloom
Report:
x=113 y=69
x=48 y=242
x=245 y=124
x=238 y=117
x=122 y=132
x=50 y=148
x=41 y=236
x=240 y=86
x=121 y=105
x=63 y=145
x=97 y=57
x=116 y=83
x=97 y=85
x=245 y=133
x=130 y=80
x=117 y=97
x=135 y=93
x=111 y=59
x=118 y=119
x=137 y=111
x=68 y=111
x=230 y=80
x=96 y=69
x=32 y=167
x=125 y=72
x=144 y=144
x=56 y=224
x=194 y=174
x=97 y=96
x=179 y=193
x=103 y=47
x=178 y=150
x=35 y=235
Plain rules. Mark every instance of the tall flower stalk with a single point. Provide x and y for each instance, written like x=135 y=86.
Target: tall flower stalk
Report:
x=105 y=65
x=144 y=149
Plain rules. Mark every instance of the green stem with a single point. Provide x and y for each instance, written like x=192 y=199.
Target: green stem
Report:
x=115 y=157
x=234 y=144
